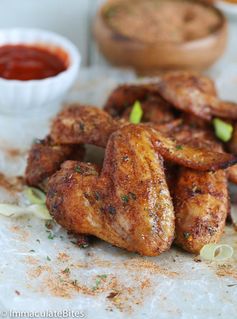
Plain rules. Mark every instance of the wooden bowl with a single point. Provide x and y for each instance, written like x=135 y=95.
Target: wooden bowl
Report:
x=149 y=59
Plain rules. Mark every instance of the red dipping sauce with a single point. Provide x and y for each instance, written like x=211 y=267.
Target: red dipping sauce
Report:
x=23 y=62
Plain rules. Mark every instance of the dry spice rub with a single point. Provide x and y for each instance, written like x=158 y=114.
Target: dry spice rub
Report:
x=161 y=20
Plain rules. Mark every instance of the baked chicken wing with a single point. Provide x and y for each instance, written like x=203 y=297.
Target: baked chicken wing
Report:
x=195 y=94
x=128 y=204
x=98 y=126
x=45 y=158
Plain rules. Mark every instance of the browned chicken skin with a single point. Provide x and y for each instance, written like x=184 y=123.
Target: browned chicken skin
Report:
x=45 y=158
x=195 y=94
x=201 y=204
x=201 y=199
x=127 y=205
x=98 y=126
x=83 y=124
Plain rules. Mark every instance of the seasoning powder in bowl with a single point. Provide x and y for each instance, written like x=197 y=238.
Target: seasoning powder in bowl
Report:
x=154 y=35
x=161 y=20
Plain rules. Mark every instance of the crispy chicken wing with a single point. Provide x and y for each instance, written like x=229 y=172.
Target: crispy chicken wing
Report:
x=83 y=124
x=45 y=158
x=201 y=204
x=98 y=126
x=201 y=199
x=123 y=97
x=128 y=204
x=195 y=94
x=155 y=108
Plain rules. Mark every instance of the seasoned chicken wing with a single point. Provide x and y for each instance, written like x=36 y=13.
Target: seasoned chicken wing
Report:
x=155 y=108
x=98 y=126
x=45 y=158
x=83 y=124
x=201 y=204
x=128 y=204
x=201 y=199
x=195 y=94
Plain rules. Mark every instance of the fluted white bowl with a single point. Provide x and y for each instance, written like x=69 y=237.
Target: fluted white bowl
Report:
x=32 y=97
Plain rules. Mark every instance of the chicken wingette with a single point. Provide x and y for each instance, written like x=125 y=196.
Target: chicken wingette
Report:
x=128 y=204
x=79 y=125
x=201 y=199
x=195 y=94
x=45 y=158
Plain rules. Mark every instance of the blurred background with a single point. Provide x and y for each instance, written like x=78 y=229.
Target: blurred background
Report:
x=73 y=18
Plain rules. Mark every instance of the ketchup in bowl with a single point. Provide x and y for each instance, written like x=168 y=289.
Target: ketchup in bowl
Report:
x=26 y=62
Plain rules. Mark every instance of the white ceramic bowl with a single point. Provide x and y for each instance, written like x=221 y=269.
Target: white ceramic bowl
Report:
x=26 y=98
x=230 y=9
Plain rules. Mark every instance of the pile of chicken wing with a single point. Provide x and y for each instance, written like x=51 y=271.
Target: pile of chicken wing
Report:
x=163 y=180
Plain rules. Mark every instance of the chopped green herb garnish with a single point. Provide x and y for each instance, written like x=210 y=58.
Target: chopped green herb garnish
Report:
x=97 y=196
x=48 y=258
x=179 y=147
x=125 y=198
x=186 y=235
x=98 y=281
x=38 y=241
x=136 y=113
x=32 y=251
x=48 y=224
x=125 y=158
x=66 y=271
x=83 y=246
x=78 y=169
x=223 y=130
x=51 y=236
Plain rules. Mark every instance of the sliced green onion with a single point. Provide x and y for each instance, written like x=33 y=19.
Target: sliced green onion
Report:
x=34 y=195
x=10 y=210
x=216 y=252
x=223 y=130
x=136 y=113
x=41 y=211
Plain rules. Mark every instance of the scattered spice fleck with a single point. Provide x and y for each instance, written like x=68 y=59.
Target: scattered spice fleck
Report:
x=17 y=292
x=132 y=195
x=82 y=126
x=112 y=295
x=111 y=210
